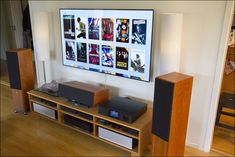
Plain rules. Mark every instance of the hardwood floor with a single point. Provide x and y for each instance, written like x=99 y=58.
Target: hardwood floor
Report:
x=224 y=139
x=4 y=73
x=31 y=135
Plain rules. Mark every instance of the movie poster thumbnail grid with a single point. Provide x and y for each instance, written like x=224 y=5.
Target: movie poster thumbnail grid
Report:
x=107 y=55
x=94 y=54
x=139 y=31
x=69 y=26
x=122 y=30
x=105 y=29
x=70 y=50
x=92 y=25
x=81 y=27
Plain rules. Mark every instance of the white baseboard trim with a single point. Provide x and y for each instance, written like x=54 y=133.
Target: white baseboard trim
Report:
x=193 y=145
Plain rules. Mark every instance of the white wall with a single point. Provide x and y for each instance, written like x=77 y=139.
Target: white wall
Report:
x=202 y=27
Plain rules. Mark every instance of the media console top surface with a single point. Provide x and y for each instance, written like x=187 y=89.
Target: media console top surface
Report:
x=83 y=86
x=138 y=124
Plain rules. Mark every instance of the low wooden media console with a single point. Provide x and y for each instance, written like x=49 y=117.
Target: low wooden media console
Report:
x=61 y=109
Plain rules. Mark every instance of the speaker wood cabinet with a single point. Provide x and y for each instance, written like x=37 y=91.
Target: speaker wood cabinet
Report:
x=170 y=114
x=59 y=110
x=21 y=75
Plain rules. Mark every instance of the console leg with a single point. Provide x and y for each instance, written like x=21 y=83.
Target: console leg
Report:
x=22 y=112
x=134 y=154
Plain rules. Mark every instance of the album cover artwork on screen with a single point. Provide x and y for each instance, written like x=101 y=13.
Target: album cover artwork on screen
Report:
x=93 y=28
x=69 y=26
x=107 y=29
x=81 y=52
x=122 y=58
x=94 y=54
x=107 y=55
x=70 y=50
x=81 y=27
x=137 y=60
x=122 y=29
x=139 y=31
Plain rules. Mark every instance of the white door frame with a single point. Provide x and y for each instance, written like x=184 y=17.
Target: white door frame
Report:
x=227 y=23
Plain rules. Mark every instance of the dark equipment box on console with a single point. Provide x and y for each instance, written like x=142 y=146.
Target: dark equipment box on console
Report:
x=124 y=109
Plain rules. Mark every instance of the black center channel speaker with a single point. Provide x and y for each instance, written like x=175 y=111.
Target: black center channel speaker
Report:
x=21 y=76
x=170 y=114
x=83 y=94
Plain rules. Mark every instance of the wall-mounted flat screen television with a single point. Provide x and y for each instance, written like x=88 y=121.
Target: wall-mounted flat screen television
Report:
x=116 y=42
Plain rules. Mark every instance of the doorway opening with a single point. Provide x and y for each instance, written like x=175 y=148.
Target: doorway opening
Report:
x=224 y=131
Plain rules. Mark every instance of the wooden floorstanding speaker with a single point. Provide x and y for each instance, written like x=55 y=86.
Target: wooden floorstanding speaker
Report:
x=21 y=76
x=170 y=114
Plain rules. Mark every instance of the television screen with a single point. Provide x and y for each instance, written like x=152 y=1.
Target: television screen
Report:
x=116 y=42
